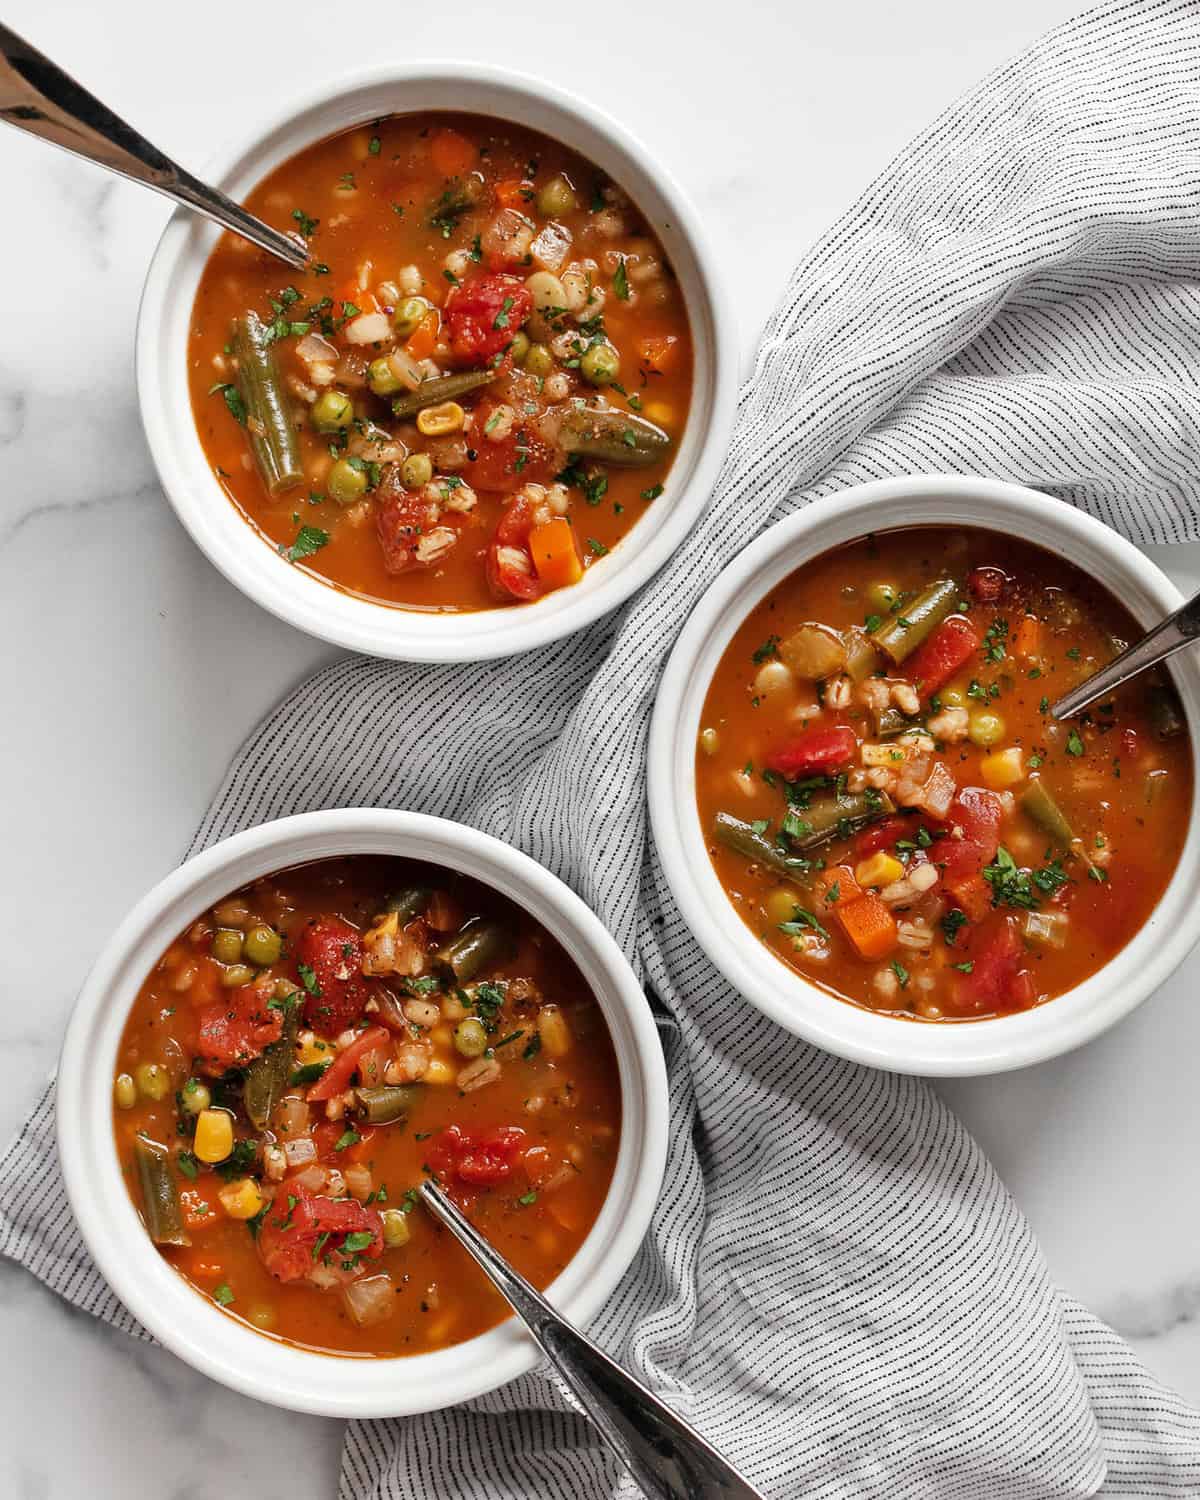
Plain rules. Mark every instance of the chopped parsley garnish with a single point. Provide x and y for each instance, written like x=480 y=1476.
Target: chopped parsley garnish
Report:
x=233 y=400
x=501 y=319
x=598 y=548
x=768 y=649
x=361 y=1239
x=374 y=145
x=223 y=1294
x=188 y=1165
x=952 y=923
x=994 y=638
x=526 y=1199
x=1074 y=743
x=309 y=540
x=532 y=1047
x=653 y=492
x=487 y=999
x=621 y=281
x=309 y=980
x=900 y=972
x=307 y=225
x=347 y=1138
x=1097 y=874
x=801 y=920
x=310 y=1072
x=965 y=967
x=239 y=1161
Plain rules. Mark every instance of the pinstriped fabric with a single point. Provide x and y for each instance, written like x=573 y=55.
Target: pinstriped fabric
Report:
x=836 y=1286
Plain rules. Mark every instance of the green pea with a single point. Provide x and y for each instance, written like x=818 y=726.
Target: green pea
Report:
x=263 y=945
x=416 y=470
x=153 y=1081
x=881 y=597
x=519 y=347
x=333 y=411
x=539 y=360
x=470 y=1039
x=124 y=1091
x=346 y=482
x=382 y=379
x=556 y=198
x=952 y=697
x=236 y=975
x=985 y=728
x=408 y=315
x=600 y=365
x=195 y=1096
x=227 y=945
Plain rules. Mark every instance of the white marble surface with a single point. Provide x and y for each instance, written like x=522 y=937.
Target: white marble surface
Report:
x=132 y=670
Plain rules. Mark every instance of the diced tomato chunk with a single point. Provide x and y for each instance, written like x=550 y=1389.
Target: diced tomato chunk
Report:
x=997 y=980
x=883 y=835
x=482 y=315
x=975 y=814
x=338 y=1074
x=476 y=1158
x=235 y=1030
x=817 y=752
x=523 y=457
x=936 y=660
x=297 y=1219
x=337 y=991
x=986 y=585
x=507 y=577
x=402 y=518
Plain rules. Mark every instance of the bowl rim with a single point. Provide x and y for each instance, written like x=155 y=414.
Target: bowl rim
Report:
x=978 y=1047
x=305 y=601
x=167 y=1304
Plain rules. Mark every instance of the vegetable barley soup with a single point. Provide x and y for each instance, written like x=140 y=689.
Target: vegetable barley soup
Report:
x=477 y=389
x=890 y=805
x=312 y=1047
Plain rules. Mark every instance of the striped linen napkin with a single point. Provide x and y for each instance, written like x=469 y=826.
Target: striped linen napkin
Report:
x=836 y=1287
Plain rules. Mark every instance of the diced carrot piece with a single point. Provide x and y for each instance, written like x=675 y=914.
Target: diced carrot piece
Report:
x=659 y=353
x=421 y=344
x=972 y=894
x=836 y=887
x=555 y=556
x=869 y=925
x=514 y=192
x=452 y=153
x=1028 y=636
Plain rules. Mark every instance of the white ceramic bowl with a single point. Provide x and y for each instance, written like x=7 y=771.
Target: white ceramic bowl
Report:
x=988 y=1046
x=159 y=1296
x=252 y=564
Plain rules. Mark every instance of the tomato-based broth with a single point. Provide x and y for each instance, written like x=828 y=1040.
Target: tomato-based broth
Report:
x=312 y=1049
x=890 y=805
x=478 y=388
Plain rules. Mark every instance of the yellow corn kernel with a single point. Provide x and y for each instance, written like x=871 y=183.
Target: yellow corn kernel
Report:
x=438 y=1071
x=437 y=421
x=1003 y=769
x=881 y=869
x=554 y=1032
x=314 y=1052
x=780 y=905
x=241 y=1199
x=442 y=1035
x=214 y=1135
x=660 y=412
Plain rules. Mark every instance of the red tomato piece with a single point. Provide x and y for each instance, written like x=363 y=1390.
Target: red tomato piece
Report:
x=817 y=752
x=234 y=1031
x=997 y=980
x=296 y=1221
x=936 y=660
x=482 y=315
x=522 y=457
x=336 y=1077
x=402 y=518
x=977 y=813
x=337 y=991
x=986 y=585
x=476 y=1158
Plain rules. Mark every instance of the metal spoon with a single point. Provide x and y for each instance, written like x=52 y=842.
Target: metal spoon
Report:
x=39 y=97
x=666 y=1456
x=1175 y=632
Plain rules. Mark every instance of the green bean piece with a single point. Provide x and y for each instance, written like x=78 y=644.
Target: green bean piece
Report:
x=160 y=1193
x=1037 y=803
x=387 y=1104
x=900 y=634
x=1166 y=711
x=616 y=437
x=409 y=903
x=440 y=388
x=478 y=945
x=268 y=424
x=829 y=816
x=861 y=656
x=267 y=1076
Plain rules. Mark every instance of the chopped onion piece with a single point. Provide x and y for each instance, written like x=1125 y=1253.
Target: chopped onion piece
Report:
x=370 y=1299
x=369 y=328
x=303 y=1148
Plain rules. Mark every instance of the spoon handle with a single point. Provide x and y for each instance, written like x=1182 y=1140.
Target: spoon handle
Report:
x=37 y=96
x=1175 y=632
x=666 y=1456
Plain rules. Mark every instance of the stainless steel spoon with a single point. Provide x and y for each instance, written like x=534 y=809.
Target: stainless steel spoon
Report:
x=666 y=1456
x=1175 y=632
x=39 y=97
